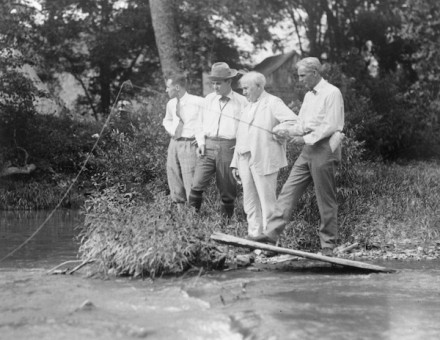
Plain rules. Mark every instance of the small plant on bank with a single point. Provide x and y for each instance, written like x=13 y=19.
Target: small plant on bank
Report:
x=127 y=236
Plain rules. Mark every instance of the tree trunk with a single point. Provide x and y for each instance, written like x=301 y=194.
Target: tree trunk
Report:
x=166 y=34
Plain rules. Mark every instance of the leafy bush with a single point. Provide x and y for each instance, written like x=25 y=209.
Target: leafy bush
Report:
x=133 y=151
x=27 y=194
x=124 y=234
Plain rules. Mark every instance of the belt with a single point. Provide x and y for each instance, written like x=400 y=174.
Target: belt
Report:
x=219 y=139
x=185 y=139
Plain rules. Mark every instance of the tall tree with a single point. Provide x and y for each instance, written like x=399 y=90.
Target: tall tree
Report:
x=166 y=33
x=99 y=42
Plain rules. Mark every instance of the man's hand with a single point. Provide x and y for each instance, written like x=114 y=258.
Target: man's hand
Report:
x=236 y=175
x=298 y=140
x=281 y=136
x=201 y=150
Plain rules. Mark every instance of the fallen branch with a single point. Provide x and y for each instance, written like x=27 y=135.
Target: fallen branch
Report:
x=78 y=267
x=50 y=271
x=348 y=248
x=12 y=170
x=240 y=242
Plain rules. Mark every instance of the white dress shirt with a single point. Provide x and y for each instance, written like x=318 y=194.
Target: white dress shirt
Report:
x=220 y=119
x=321 y=114
x=190 y=111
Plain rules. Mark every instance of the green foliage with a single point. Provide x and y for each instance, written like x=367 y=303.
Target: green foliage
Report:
x=420 y=25
x=133 y=150
x=131 y=237
x=25 y=194
x=16 y=105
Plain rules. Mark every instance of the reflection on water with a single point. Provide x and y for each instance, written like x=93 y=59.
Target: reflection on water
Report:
x=53 y=244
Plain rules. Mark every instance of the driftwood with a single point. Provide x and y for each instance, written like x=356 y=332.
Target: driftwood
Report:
x=55 y=269
x=240 y=242
x=348 y=248
x=12 y=170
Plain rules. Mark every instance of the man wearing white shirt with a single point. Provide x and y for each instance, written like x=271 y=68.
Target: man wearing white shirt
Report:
x=257 y=156
x=216 y=139
x=182 y=120
x=319 y=126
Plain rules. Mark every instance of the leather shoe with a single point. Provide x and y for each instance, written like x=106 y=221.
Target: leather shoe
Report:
x=262 y=239
x=327 y=252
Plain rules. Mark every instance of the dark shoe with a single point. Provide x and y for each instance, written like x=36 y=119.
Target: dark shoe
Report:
x=262 y=239
x=327 y=252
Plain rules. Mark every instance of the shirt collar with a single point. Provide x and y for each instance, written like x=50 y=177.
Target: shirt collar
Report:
x=320 y=85
x=229 y=95
x=184 y=98
x=262 y=95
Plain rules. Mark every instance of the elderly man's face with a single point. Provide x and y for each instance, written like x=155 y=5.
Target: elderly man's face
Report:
x=251 y=90
x=307 y=77
x=221 y=87
x=171 y=89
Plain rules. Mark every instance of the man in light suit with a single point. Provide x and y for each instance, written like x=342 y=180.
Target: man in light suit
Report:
x=258 y=157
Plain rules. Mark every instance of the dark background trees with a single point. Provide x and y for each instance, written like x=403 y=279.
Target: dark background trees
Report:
x=104 y=43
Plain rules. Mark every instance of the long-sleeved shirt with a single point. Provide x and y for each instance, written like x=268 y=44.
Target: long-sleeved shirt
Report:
x=321 y=114
x=219 y=118
x=190 y=112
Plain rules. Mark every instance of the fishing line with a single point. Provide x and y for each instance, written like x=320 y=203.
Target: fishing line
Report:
x=128 y=83
x=222 y=114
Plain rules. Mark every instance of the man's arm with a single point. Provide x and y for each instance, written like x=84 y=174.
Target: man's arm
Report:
x=289 y=122
x=168 y=120
x=199 y=133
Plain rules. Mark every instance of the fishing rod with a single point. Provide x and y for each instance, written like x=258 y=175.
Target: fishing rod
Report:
x=125 y=83
x=222 y=114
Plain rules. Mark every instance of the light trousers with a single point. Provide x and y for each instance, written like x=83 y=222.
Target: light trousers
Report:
x=259 y=195
x=181 y=163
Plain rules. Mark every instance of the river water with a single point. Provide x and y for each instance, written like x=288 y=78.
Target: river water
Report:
x=290 y=300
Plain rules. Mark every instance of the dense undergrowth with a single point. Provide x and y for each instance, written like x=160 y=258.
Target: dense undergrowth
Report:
x=379 y=205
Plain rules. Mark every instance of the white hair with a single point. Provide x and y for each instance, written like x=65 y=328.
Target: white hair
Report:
x=310 y=64
x=254 y=77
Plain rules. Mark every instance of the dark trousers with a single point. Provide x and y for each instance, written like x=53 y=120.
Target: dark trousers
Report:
x=317 y=164
x=216 y=161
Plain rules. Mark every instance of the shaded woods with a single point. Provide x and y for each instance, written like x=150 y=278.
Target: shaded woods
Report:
x=388 y=187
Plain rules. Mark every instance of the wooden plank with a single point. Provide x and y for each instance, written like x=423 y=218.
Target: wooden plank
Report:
x=241 y=242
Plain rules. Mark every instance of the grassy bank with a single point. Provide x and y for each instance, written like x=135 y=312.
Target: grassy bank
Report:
x=390 y=210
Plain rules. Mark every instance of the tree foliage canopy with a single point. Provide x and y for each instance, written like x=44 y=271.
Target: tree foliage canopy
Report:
x=104 y=43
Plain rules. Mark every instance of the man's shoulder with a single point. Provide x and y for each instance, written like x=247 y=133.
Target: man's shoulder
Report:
x=270 y=98
x=195 y=97
x=242 y=99
x=211 y=95
x=330 y=88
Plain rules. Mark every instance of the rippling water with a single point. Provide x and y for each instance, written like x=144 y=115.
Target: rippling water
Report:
x=53 y=244
x=302 y=300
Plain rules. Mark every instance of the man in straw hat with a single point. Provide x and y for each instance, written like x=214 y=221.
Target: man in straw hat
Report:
x=216 y=139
